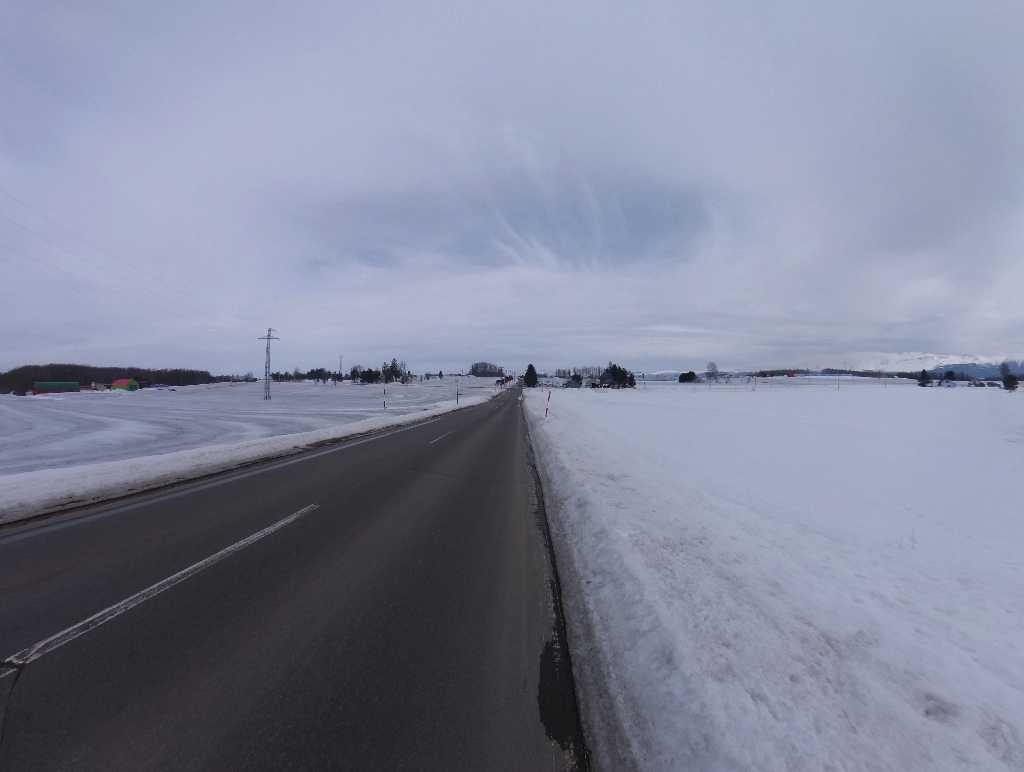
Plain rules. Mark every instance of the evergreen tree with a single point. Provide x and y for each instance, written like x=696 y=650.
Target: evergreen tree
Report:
x=370 y=375
x=617 y=377
x=530 y=379
x=924 y=379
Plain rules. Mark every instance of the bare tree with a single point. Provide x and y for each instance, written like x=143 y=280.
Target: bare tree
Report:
x=1010 y=381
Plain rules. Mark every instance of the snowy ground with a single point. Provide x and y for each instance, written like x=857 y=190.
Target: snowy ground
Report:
x=797 y=578
x=70 y=448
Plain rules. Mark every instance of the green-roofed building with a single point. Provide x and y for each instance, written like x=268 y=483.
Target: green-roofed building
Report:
x=54 y=387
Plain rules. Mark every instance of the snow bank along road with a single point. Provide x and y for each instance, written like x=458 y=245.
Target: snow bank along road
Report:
x=794 y=578
x=69 y=449
x=382 y=604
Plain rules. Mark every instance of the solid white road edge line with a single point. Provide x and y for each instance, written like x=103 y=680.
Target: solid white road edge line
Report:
x=37 y=650
x=438 y=439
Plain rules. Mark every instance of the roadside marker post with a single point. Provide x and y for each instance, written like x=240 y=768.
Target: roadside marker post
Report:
x=547 y=404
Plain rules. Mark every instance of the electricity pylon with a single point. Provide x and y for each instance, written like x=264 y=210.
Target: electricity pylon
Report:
x=266 y=369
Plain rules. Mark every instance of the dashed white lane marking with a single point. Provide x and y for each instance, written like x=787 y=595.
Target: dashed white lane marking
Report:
x=438 y=439
x=37 y=650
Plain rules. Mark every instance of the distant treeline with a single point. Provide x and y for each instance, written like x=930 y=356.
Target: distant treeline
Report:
x=314 y=374
x=790 y=371
x=957 y=372
x=396 y=371
x=486 y=370
x=22 y=378
x=612 y=377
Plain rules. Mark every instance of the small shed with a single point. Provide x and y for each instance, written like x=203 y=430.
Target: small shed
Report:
x=126 y=384
x=54 y=387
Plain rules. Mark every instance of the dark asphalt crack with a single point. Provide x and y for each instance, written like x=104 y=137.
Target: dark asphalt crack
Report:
x=8 y=678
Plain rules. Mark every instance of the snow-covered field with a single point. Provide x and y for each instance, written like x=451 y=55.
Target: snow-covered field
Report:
x=795 y=578
x=69 y=448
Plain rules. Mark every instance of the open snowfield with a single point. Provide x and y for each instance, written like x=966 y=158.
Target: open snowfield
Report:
x=796 y=578
x=70 y=448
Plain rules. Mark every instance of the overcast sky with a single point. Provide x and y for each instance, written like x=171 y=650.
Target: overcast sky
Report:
x=785 y=183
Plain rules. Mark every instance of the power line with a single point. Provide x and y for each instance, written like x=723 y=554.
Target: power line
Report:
x=81 y=260
x=69 y=231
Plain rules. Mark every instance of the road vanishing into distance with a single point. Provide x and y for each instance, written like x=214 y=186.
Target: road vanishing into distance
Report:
x=385 y=603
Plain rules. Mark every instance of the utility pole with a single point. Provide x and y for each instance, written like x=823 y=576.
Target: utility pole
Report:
x=266 y=368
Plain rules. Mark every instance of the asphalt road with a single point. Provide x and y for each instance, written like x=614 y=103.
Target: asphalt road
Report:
x=388 y=603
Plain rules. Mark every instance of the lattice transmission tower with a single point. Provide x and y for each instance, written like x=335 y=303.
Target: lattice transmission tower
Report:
x=266 y=369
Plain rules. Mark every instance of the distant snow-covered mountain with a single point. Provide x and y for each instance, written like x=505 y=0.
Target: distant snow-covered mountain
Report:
x=913 y=361
x=983 y=367
x=982 y=371
x=663 y=375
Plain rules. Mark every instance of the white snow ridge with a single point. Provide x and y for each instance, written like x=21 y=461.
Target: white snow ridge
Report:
x=71 y=449
x=797 y=578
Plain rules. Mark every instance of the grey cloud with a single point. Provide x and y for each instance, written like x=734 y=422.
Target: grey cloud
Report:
x=776 y=183
x=573 y=222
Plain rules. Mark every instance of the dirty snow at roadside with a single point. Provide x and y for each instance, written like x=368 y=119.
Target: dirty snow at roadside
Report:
x=799 y=578
x=61 y=449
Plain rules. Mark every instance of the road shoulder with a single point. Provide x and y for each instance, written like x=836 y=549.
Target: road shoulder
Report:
x=605 y=736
